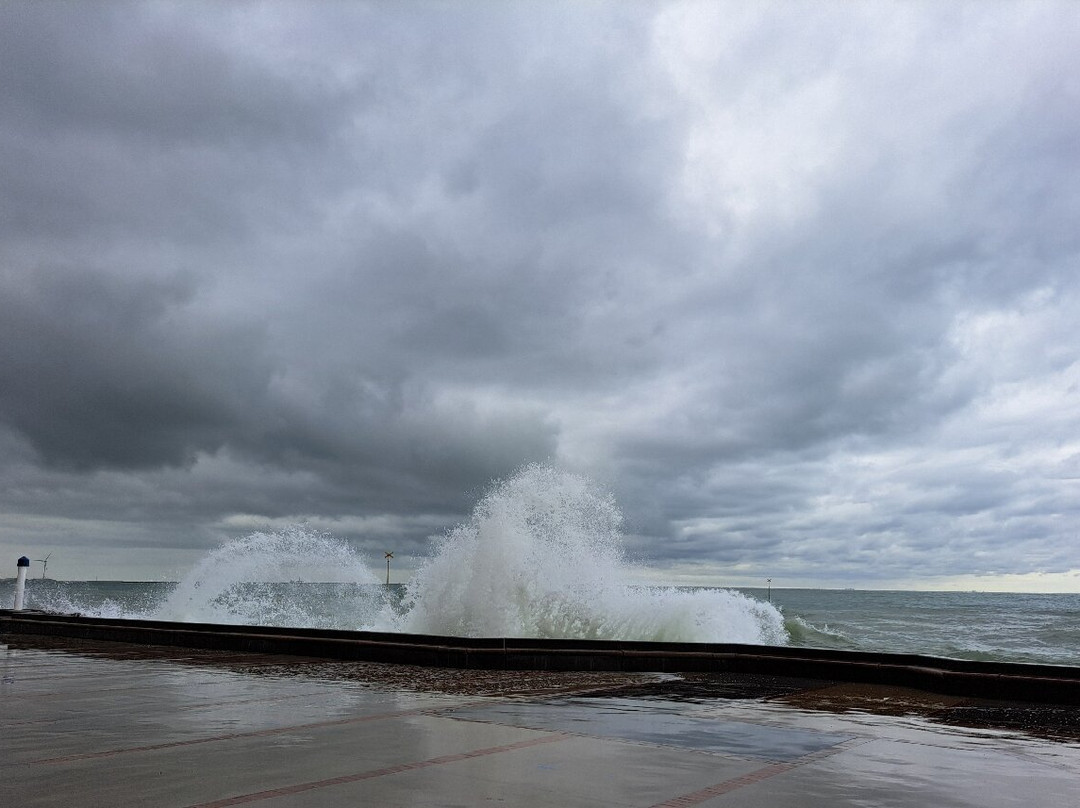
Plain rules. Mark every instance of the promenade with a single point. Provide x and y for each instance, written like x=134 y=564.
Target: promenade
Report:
x=109 y=724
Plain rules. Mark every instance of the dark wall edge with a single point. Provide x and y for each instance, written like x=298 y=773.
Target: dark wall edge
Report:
x=993 y=680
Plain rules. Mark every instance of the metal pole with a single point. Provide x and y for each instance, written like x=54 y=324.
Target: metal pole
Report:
x=20 y=582
x=388 y=557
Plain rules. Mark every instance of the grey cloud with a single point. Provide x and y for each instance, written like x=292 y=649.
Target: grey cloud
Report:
x=745 y=266
x=126 y=71
x=100 y=371
x=135 y=125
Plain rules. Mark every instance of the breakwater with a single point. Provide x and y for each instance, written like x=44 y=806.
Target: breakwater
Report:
x=992 y=680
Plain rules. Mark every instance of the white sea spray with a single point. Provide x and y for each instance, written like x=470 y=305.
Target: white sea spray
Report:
x=542 y=555
x=261 y=579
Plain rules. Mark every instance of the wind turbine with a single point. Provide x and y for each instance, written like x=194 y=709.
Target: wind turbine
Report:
x=388 y=557
x=44 y=563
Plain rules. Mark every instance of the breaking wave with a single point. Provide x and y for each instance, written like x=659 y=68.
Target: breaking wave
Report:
x=541 y=556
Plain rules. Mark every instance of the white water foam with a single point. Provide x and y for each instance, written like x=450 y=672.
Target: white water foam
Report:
x=541 y=556
x=264 y=579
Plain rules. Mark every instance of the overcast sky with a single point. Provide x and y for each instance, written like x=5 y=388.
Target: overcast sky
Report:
x=798 y=283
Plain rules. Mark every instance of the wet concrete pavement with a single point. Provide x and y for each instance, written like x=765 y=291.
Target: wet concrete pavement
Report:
x=79 y=728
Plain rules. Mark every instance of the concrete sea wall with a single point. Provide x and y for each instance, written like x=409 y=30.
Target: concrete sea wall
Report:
x=993 y=680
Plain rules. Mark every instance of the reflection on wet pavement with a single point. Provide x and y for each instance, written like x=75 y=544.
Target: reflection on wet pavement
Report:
x=653 y=722
x=206 y=731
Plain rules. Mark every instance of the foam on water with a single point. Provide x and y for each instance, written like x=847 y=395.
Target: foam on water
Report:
x=112 y=599
x=804 y=633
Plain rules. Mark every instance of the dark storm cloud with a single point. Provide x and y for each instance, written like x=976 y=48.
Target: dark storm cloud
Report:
x=118 y=71
x=126 y=125
x=796 y=283
x=101 y=371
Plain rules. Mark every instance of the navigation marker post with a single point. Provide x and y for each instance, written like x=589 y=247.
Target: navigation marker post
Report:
x=20 y=582
x=388 y=557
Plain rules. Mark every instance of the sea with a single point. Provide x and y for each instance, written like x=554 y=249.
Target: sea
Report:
x=543 y=556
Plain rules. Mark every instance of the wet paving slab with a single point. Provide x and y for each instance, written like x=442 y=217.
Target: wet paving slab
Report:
x=658 y=723
x=106 y=725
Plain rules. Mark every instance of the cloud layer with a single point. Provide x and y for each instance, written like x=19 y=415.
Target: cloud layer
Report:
x=798 y=283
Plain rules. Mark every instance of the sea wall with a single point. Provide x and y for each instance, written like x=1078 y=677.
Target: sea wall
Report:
x=993 y=680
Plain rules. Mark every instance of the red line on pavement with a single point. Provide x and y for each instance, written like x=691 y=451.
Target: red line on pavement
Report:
x=756 y=776
x=698 y=797
x=259 y=733
x=299 y=788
